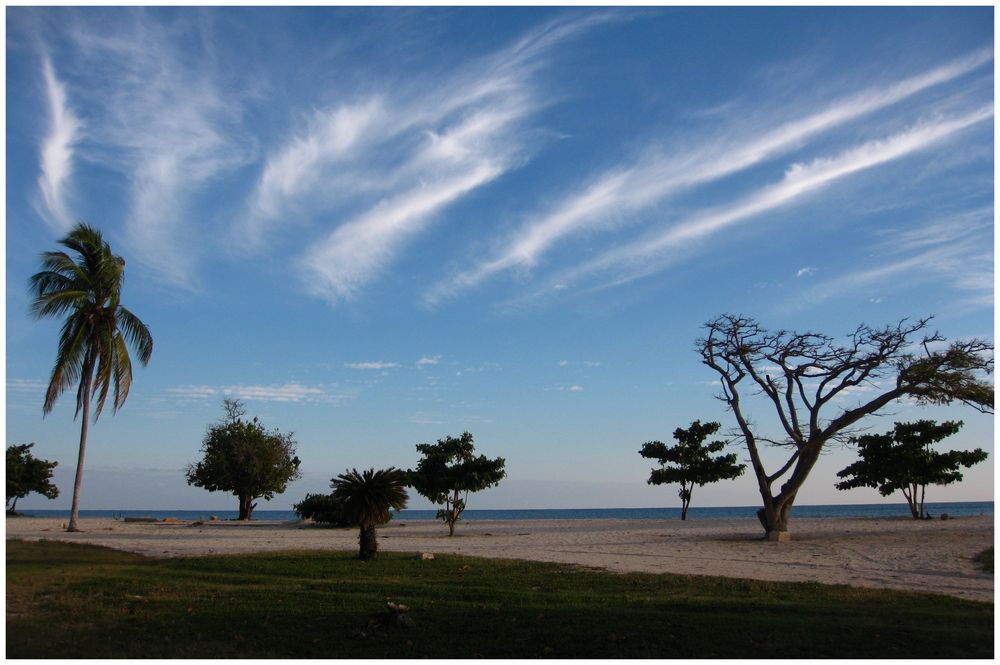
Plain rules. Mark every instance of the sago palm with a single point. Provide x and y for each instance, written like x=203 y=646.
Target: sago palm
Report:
x=367 y=498
x=96 y=333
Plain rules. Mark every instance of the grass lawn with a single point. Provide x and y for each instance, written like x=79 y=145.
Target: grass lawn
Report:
x=66 y=600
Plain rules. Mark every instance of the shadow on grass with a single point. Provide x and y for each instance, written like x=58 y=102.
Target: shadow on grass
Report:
x=78 y=601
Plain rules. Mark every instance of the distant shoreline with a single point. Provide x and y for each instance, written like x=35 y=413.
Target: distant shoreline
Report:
x=933 y=556
x=821 y=511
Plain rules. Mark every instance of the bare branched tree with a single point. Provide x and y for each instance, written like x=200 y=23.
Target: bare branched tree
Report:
x=804 y=374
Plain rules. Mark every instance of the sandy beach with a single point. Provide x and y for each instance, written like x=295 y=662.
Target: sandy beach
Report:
x=896 y=553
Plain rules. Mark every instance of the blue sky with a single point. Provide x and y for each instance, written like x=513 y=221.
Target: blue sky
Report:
x=380 y=227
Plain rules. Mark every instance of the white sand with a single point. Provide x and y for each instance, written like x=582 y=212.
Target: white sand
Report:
x=897 y=553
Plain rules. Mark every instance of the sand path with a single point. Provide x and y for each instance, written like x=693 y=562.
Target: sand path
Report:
x=896 y=553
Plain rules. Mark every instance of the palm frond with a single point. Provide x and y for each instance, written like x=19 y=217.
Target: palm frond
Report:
x=137 y=334
x=123 y=371
x=368 y=496
x=59 y=303
x=85 y=389
x=70 y=356
x=92 y=346
x=104 y=355
x=50 y=281
x=60 y=262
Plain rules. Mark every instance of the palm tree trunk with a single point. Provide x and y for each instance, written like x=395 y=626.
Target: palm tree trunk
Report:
x=368 y=542
x=74 y=511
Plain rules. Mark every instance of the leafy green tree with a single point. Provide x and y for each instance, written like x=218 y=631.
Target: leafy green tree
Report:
x=26 y=474
x=902 y=460
x=812 y=381
x=322 y=508
x=450 y=469
x=366 y=499
x=96 y=332
x=693 y=459
x=242 y=457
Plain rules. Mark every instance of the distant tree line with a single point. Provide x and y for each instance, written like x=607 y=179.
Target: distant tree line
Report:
x=805 y=377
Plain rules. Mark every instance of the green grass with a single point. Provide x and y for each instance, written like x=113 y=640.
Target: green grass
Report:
x=66 y=600
x=985 y=560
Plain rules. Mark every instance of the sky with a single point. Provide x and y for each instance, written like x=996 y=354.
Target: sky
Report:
x=381 y=227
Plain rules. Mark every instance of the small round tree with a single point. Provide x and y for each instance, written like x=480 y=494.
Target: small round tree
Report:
x=903 y=460
x=693 y=459
x=365 y=501
x=449 y=470
x=246 y=459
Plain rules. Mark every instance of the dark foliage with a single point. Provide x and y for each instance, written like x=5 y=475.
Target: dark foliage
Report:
x=26 y=474
x=244 y=458
x=693 y=460
x=367 y=499
x=322 y=508
x=902 y=460
x=449 y=471
x=808 y=378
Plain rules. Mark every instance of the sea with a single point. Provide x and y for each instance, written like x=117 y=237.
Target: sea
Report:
x=956 y=509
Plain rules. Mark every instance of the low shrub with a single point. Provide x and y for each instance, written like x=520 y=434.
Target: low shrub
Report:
x=985 y=560
x=322 y=508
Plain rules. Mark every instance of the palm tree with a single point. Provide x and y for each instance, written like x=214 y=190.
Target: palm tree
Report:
x=367 y=498
x=92 y=351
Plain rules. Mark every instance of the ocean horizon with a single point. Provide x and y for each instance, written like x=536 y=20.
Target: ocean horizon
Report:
x=935 y=510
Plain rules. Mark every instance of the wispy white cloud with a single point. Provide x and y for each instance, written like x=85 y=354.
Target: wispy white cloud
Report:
x=286 y=392
x=957 y=249
x=26 y=386
x=941 y=231
x=372 y=365
x=575 y=388
x=579 y=363
x=351 y=256
x=653 y=252
x=332 y=135
x=57 y=152
x=161 y=119
x=428 y=360
x=398 y=157
x=805 y=272
x=193 y=391
x=421 y=418
x=616 y=196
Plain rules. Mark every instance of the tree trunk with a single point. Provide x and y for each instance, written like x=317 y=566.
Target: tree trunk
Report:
x=911 y=501
x=452 y=514
x=368 y=543
x=774 y=518
x=246 y=507
x=74 y=511
x=777 y=510
x=13 y=506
